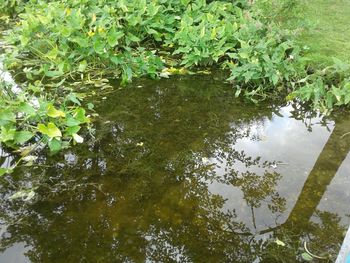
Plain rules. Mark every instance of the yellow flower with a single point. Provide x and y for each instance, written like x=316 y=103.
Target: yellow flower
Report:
x=68 y=11
x=91 y=33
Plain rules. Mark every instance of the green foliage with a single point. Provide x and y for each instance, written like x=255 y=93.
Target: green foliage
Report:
x=134 y=38
x=264 y=59
x=204 y=36
x=11 y=7
x=88 y=36
x=326 y=88
x=28 y=118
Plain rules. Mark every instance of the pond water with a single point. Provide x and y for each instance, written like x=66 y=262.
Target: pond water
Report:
x=179 y=170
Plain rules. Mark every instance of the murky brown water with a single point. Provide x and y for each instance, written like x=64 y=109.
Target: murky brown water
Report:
x=181 y=171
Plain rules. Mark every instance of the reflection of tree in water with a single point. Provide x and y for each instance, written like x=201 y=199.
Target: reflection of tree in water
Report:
x=140 y=190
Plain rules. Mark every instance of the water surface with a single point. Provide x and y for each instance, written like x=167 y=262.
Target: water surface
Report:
x=181 y=171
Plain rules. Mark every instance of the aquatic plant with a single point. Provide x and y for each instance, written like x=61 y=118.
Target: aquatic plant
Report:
x=326 y=88
x=129 y=39
x=30 y=120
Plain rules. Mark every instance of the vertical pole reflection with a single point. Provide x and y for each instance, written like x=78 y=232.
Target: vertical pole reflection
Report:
x=328 y=162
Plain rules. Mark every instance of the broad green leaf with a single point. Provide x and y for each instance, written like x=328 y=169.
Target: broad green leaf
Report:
x=4 y=171
x=116 y=60
x=113 y=37
x=26 y=108
x=66 y=31
x=7 y=115
x=82 y=42
x=52 y=54
x=70 y=121
x=73 y=98
x=22 y=136
x=55 y=145
x=275 y=79
x=340 y=65
x=54 y=113
x=99 y=46
x=347 y=98
x=82 y=66
x=53 y=131
x=50 y=130
x=72 y=130
x=7 y=133
x=80 y=116
x=53 y=73
x=133 y=38
x=42 y=128
x=91 y=106
x=244 y=54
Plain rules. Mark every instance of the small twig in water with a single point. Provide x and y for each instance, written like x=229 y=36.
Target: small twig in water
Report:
x=341 y=137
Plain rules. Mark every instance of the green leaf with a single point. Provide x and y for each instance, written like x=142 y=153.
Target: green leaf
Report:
x=82 y=66
x=72 y=130
x=66 y=31
x=99 y=46
x=91 y=106
x=7 y=134
x=244 y=54
x=306 y=256
x=52 y=54
x=340 y=65
x=55 y=145
x=80 y=116
x=73 y=98
x=22 y=136
x=113 y=37
x=347 y=98
x=7 y=115
x=275 y=79
x=26 y=108
x=50 y=130
x=4 y=171
x=70 y=121
x=82 y=42
x=54 y=113
x=133 y=38
x=53 y=73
